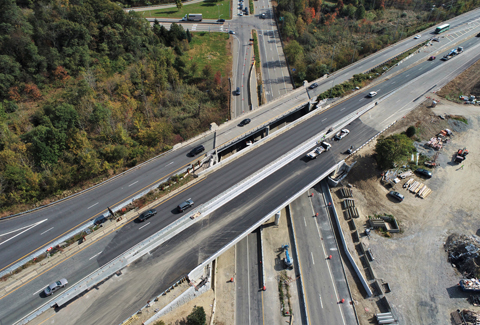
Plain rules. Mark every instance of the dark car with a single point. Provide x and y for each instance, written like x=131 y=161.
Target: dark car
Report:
x=312 y=86
x=263 y=16
x=396 y=195
x=221 y=20
x=99 y=220
x=432 y=58
x=424 y=172
x=55 y=286
x=245 y=122
x=147 y=214
x=185 y=205
x=237 y=91
x=197 y=150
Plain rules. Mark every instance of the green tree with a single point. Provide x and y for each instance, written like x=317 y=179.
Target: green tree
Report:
x=360 y=13
x=197 y=317
x=189 y=36
x=179 y=4
x=392 y=149
x=294 y=52
x=411 y=131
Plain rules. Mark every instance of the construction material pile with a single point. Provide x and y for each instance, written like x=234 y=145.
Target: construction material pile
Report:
x=463 y=253
x=435 y=143
x=415 y=187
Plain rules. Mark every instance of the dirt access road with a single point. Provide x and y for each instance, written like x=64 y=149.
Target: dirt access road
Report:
x=413 y=262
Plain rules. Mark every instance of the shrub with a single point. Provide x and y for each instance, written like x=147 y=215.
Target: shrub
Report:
x=411 y=131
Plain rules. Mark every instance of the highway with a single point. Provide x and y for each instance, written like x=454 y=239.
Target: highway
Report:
x=323 y=279
x=216 y=183
x=249 y=295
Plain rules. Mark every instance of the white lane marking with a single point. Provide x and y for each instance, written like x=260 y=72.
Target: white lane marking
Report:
x=321 y=302
x=95 y=255
x=361 y=99
x=29 y=227
x=333 y=249
x=39 y=291
x=47 y=230
x=92 y=206
x=133 y=183
x=144 y=226
x=312 y=258
x=169 y=164
x=407 y=75
x=342 y=109
x=305 y=221
x=393 y=82
x=324 y=119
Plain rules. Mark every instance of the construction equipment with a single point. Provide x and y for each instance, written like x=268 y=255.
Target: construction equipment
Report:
x=432 y=163
x=461 y=155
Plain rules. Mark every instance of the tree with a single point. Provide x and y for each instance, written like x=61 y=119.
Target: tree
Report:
x=294 y=52
x=411 y=131
x=360 y=13
x=393 y=149
x=189 y=36
x=197 y=317
x=179 y=4
x=300 y=25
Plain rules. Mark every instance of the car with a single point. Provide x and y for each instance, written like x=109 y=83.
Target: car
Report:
x=432 y=58
x=263 y=16
x=425 y=173
x=396 y=195
x=237 y=91
x=147 y=214
x=417 y=36
x=312 y=86
x=55 y=286
x=244 y=122
x=240 y=13
x=99 y=220
x=196 y=150
x=231 y=32
x=435 y=39
x=221 y=20
x=185 y=205
x=372 y=94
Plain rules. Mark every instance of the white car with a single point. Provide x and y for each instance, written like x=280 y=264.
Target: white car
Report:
x=55 y=286
x=372 y=94
x=417 y=36
x=240 y=13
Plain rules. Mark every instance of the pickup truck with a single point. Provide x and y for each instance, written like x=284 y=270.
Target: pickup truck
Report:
x=324 y=146
x=342 y=134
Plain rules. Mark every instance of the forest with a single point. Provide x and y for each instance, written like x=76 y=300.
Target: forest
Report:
x=88 y=90
x=321 y=37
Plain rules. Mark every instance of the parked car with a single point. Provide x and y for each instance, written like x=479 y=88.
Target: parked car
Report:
x=221 y=20
x=417 y=36
x=435 y=39
x=55 y=286
x=396 y=195
x=372 y=94
x=231 y=32
x=312 y=86
x=263 y=16
x=240 y=13
x=99 y=220
x=244 y=122
x=196 y=150
x=147 y=214
x=432 y=58
x=424 y=172
x=185 y=205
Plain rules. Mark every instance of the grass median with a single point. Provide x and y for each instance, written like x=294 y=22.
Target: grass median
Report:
x=209 y=9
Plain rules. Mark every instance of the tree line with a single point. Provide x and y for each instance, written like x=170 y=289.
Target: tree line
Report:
x=87 y=90
x=321 y=37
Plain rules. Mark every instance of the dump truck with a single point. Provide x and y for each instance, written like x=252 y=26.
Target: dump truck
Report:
x=470 y=285
x=324 y=146
x=342 y=134
x=192 y=17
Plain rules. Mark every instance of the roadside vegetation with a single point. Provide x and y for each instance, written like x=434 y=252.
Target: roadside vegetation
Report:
x=87 y=91
x=321 y=37
x=210 y=9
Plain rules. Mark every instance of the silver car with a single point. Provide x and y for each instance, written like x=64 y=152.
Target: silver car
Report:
x=55 y=286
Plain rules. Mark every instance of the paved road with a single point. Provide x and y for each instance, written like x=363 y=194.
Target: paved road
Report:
x=323 y=279
x=249 y=306
x=191 y=247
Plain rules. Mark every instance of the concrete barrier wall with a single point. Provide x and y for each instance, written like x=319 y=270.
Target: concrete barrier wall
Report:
x=342 y=238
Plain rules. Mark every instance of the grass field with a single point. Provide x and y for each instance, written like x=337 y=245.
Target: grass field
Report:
x=209 y=9
x=210 y=48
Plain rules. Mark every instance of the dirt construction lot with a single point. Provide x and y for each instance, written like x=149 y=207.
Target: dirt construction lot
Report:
x=413 y=262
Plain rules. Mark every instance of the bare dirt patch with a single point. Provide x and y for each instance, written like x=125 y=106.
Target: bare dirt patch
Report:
x=413 y=262
x=468 y=83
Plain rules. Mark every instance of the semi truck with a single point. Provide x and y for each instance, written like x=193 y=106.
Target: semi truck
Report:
x=324 y=146
x=192 y=17
x=453 y=53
